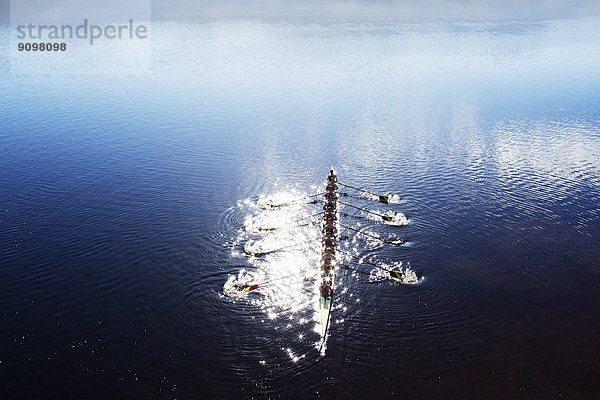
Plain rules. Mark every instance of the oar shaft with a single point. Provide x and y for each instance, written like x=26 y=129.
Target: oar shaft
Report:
x=293 y=224
x=355 y=188
x=395 y=243
x=384 y=217
x=363 y=261
x=381 y=198
x=262 y=253
x=358 y=258
x=269 y=281
x=297 y=200
x=309 y=217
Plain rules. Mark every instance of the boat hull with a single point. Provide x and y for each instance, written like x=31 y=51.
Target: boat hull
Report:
x=325 y=303
x=330 y=228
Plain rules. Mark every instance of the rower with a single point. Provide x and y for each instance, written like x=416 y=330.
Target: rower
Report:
x=331 y=196
x=329 y=230
x=329 y=241
x=330 y=206
x=330 y=216
x=327 y=258
x=330 y=233
x=329 y=225
x=325 y=290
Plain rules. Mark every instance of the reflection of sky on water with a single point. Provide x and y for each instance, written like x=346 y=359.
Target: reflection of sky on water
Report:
x=487 y=131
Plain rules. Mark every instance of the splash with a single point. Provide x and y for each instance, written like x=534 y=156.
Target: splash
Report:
x=288 y=198
x=394 y=273
x=410 y=276
x=391 y=198
x=235 y=285
x=392 y=218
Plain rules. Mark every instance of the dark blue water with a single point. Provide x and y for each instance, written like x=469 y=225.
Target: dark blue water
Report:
x=124 y=201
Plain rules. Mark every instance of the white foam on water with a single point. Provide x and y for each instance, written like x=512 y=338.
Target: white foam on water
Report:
x=392 y=198
x=409 y=276
x=397 y=219
x=235 y=283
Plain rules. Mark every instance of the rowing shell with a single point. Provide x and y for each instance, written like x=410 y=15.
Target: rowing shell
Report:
x=329 y=231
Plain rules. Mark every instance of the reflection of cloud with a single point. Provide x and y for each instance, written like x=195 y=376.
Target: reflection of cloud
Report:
x=562 y=152
x=391 y=10
x=73 y=11
x=356 y=10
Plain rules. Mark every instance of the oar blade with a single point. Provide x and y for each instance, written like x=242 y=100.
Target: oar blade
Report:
x=396 y=275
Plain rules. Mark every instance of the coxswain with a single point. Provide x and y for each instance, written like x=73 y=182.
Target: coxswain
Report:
x=332 y=177
x=325 y=290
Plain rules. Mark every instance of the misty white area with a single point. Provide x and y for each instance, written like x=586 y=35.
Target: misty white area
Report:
x=309 y=10
x=375 y=11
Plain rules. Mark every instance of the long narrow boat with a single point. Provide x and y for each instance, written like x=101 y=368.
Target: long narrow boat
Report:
x=330 y=226
x=329 y=231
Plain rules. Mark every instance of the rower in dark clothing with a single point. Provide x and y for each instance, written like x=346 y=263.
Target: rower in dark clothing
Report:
x=325 y=290
x=330 y=206
x=329 y=225
x=329 y=241
x=331 y=196
x=332 y=177
x=330 y=217
x=329 y=230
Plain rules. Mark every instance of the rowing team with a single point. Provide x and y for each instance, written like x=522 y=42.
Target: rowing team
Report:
x=329 y=232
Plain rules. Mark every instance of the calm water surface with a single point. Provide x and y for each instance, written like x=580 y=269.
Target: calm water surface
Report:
x=125 y=202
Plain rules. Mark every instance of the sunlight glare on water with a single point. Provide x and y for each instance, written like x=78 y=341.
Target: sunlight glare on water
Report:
x=128 y=203
x=280 y=239
x=286 y=277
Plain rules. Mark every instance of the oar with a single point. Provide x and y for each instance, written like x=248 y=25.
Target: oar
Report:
x=282 y=228
x=384 y=217
x=393 y=274
x=262 y=253
x=293 y=222
x=289 y=203
x=254 y=286
x=382 y=198
x=394 y=242
x=309 y=217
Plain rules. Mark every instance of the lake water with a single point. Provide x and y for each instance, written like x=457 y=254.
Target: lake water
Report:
x=125 y=203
